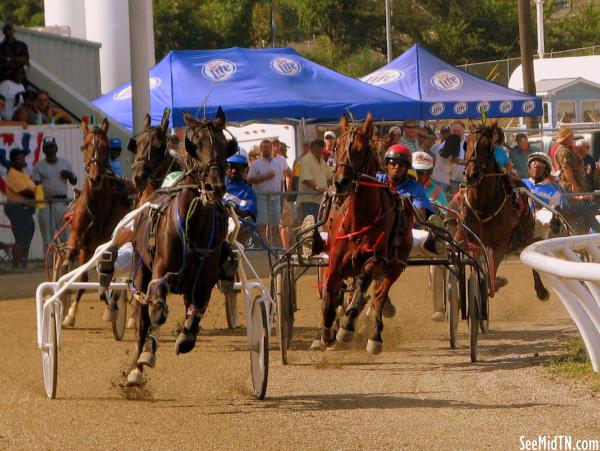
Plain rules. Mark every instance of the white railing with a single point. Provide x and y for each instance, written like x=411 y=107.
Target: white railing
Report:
x=571 y=266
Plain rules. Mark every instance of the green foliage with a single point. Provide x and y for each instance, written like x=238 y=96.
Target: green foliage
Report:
x=29 y=13
x=573 y=363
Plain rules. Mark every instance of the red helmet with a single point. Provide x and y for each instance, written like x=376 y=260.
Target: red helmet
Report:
x=399 y=152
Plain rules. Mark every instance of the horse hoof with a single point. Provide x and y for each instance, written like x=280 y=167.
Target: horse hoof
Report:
x=318 y=345
x=344 y=336
x=543 y=295
x=69 y=321
x=130 y=323
x=185 y=342
x=109 y=315
x=388 y=310
x=147 y=359
x=374 y=347
x=135 y=378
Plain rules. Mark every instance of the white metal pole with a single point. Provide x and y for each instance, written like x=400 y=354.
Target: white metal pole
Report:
x=140 y=86
x=539 y=8
x=388 y=29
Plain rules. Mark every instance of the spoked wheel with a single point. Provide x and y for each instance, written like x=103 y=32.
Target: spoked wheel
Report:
x=50 y=325
x=120 y=321
x=473 y=310
x=451 y=298
x=284 y=296
x=259 y=348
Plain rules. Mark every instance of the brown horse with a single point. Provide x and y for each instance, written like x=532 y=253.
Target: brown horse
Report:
x=370 y=235
x=488 y=206
x=98 y=209
x=179 y=243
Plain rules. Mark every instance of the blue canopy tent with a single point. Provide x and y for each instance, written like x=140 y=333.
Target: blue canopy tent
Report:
x=254 y=84
x=446 y=92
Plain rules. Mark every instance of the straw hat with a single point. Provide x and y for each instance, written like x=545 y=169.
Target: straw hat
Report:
x=563 y=134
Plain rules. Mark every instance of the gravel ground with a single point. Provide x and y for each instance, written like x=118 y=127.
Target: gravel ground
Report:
x=418 y=394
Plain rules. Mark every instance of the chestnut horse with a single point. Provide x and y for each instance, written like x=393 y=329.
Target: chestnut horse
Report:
x=98 y=209
x=488 y=207
x=370 y=235
x=178 y=244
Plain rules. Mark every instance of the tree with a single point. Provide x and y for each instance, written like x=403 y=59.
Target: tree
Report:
x=23 y=13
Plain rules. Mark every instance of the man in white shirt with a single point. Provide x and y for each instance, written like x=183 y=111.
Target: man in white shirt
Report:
x=458 y=128
x=266 y=177
x=280 y=159
x=13 y=91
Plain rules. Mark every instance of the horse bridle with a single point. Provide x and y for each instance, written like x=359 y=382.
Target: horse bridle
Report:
x=144 y=159
x=354 y=175
x=95 y=159
x=212 y=163
x=479 y=167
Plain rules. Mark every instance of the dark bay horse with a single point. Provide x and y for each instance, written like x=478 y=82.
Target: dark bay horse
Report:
x=488 y=207
x=100 y=206
x=370 y=235
x=179 y=243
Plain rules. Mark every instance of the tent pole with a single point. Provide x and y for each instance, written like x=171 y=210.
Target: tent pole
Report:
x=388 y=29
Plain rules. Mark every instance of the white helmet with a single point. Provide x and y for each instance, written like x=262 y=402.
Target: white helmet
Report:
x=422 y=161
x=540 y=156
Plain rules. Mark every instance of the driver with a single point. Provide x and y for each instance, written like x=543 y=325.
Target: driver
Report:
x=239 y=193
x=540 y=167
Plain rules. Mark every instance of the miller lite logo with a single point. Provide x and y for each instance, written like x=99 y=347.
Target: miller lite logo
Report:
x=381 y=77
x=286 y=66
x=125 y=93
x=528 y=106
x=460 y=108
x=218 y=70
x=446 y=80
x=506 y=106
x=483 y=106
x=437 y=109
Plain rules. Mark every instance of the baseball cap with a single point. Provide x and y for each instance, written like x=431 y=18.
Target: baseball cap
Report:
x=329 y=134
x=394 y=129
x=115 y=143
x=317 y=142
x=48 y=141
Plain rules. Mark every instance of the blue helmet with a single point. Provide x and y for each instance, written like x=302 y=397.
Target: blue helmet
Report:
x=238 y=159
x=115 y=143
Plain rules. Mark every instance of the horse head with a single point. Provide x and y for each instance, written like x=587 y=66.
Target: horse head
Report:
x=353 y=154
x=95 y=153
x=479 y=154
x=206 y=143
x=150 y=147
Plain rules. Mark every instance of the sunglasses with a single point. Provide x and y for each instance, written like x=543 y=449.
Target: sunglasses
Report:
x=397 y=163
x=410 y=126
x=236 y=168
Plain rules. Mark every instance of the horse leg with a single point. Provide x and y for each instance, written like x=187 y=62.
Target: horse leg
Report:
x=135 y=376
x=332 y=298
x=375 y=342
x=542 y=292
x=358 y=302
x=157 y=314
x=70 y=318
x=195 y=311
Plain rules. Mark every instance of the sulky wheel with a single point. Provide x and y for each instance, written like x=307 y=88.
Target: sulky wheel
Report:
x=473 y=311
x=50 y=325
x=284 y=297
x=259 y=347
x=452 y=300
x=119 y=321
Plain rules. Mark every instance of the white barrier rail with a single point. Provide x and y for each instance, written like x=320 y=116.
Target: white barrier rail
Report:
x=571 y=266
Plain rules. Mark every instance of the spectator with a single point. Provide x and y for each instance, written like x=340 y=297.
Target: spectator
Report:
x=14 y=54
x=329 y=150
x=580 y=211
x=286 y=185
x=51 y=114
x=409 y=138
x=458 y=169
x=501 y=151
x=266 y=176
x=253 y=155
x=13 y=90
x=443 y=170
x=20 y=192
x=315 y=176
x=296 y=168
x=52 y=174
x=443 y=134
x=394 y=135
x=115 y=153
x=27 y=111
x=426 y=139
x=519 y=155
x=589 y=165
x=11 y=122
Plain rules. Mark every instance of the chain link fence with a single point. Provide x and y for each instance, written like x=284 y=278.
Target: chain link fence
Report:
x=26 y=230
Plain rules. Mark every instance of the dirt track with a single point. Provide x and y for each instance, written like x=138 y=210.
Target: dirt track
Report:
x=416 y=395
